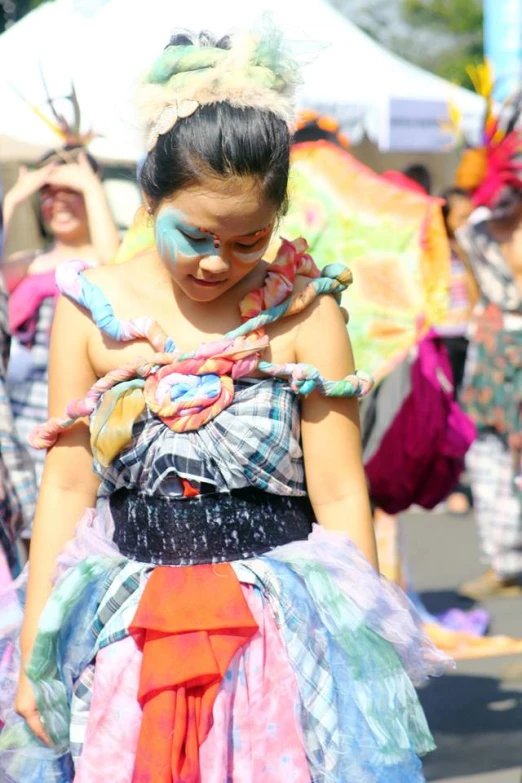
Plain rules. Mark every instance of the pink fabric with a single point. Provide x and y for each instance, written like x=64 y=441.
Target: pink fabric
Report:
x=402 y=181
x=257 y=707
x=115 y=717
x=5 y=573
x=27 y=297
x=255 y=733
x=425 y=469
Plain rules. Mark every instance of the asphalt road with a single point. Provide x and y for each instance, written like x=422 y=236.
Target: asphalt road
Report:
x=476 y=712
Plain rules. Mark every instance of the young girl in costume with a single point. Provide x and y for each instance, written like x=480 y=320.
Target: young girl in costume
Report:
x=218 y=614
x=76 y=216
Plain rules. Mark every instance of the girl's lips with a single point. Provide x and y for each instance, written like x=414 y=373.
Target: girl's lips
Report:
x=206 y=283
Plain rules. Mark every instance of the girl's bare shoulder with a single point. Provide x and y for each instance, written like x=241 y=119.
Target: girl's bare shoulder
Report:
x=120 y=280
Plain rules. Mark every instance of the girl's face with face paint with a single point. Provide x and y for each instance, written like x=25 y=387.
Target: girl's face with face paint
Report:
x=211 y=236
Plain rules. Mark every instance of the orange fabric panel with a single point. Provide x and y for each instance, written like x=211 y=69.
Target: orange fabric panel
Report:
x=190 y=623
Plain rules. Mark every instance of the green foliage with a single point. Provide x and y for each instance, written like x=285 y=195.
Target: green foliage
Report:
x=453 y=68
x=443 y=36
x=460 y=17
x=463 y=21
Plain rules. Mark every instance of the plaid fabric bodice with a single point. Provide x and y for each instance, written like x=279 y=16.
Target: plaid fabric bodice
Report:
x=255 y=442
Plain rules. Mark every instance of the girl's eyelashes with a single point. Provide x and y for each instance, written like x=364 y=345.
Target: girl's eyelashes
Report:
x=252 y=245
x=192 y=238
x=241 y=246
x=205 y=236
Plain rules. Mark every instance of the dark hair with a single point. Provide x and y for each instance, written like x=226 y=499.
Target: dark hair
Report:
x=419 y=174
x=447 y=195
x=507 y=206
x=314 y=131
x=220 y=140
x=68 y=154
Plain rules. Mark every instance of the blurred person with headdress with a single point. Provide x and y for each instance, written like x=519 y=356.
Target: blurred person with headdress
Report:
x=77 y=222
x=492 y=243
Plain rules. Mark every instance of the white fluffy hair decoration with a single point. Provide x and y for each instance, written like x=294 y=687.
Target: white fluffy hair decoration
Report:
x=251 y=69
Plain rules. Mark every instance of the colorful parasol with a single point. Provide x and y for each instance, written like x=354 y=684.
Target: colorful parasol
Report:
x=393 y=240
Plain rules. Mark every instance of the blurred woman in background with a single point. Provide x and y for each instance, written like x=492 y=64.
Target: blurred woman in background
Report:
x=77 y=220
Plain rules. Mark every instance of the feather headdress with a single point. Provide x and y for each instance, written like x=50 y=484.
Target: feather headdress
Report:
x=496 y=164
x=68 y=130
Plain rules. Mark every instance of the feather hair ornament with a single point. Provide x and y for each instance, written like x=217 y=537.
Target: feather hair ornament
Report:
x=69 y=132
x=496 y=164
x=255 y=70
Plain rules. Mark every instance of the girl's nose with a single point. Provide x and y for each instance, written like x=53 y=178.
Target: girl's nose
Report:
x=214 y=264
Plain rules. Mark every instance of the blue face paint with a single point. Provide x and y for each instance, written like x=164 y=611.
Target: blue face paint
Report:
x=251 y=257
x=175 y=238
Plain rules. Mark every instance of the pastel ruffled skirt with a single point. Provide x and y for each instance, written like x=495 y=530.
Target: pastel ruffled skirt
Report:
x=295 y=666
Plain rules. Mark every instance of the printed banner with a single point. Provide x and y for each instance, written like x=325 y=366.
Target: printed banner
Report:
x=416 y=126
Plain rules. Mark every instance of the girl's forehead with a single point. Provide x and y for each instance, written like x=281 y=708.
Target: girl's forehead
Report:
x=234 y=213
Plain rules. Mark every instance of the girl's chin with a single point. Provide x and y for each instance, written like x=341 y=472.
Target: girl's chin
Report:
x=70 y=230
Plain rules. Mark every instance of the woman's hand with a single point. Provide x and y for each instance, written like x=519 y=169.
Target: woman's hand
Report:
x=82 y=178
x=29 y=183
x=78 y=176
x=25 y=706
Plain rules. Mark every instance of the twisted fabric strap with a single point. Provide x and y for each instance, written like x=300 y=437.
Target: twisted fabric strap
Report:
x=73 y=283
x=305 y=379
x=264 y=63
x=291 y=260
x=187 y=390
x=178 y=60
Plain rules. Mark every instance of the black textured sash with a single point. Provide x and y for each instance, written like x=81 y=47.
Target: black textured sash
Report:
x=210 y=528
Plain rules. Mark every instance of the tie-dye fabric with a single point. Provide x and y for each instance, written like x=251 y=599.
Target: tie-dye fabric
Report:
x=392 y=238
x=350 y=639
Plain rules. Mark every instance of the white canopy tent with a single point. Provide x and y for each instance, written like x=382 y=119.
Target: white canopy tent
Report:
x=103 y=46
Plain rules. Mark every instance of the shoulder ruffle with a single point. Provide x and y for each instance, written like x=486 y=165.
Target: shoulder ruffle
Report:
x=292 y=259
